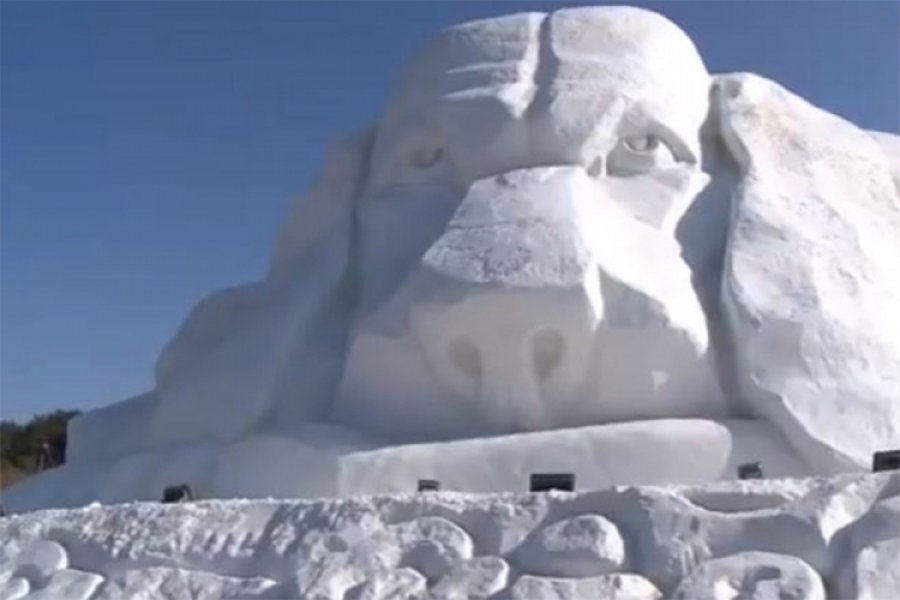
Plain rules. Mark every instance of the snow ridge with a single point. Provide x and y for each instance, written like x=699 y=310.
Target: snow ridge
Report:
x=803 y=538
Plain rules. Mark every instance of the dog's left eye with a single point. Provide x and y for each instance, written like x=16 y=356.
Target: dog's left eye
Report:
x=642 y=143
x=427 y=157
x=638 y=154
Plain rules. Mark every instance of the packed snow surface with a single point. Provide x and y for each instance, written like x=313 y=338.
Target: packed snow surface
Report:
x=563 y=245
x=790 y=539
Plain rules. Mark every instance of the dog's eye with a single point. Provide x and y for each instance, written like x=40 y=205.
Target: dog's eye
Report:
x=427 y=157
x=638 y=154
x=642 y=143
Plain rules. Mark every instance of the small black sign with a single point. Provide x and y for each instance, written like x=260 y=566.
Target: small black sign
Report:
x=750 y=471
x=429 y=485
x=542 y=482
x=177 y=493
x=888 y=460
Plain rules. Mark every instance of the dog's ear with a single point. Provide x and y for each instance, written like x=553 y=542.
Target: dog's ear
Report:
x=328 y=206
x=811 y=283
x=242 y=350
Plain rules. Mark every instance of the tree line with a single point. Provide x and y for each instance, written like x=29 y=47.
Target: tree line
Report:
x=36 y=445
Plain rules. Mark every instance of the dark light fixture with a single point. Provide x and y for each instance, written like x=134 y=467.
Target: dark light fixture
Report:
x=887 y=460
x=751 y=470
x=429 y=485
x=542 y=482
x=175 y=494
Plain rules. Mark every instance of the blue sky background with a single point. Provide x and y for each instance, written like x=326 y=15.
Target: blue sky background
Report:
x=149 y=150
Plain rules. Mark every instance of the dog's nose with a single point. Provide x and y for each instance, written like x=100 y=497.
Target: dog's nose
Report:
x=513 y=296
x=533 y=355
x=511 y=352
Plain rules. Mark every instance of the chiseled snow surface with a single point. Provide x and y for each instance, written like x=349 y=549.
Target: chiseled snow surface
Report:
x=324 y=461
x=559 y=221
x=797 y=539
x=612 y=263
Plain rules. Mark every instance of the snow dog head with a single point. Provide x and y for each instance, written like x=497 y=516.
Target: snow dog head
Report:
x=564 y=220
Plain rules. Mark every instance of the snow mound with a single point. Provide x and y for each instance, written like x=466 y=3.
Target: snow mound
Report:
x=822 y=538
x=564 y=244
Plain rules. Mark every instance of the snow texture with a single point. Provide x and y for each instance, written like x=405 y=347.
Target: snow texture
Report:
x=790 y=539
x=564 y=246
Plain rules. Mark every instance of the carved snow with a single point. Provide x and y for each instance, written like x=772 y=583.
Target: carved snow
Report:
x=14 y=588
x=180 y=583
x=611 y=587
x=479 y=577
x=36 y=562
x=399 y=584
x=610 y=259
x=582 y=546
x=873 y=544
x=877 y=571
x=843 y=530
x=592 y=257
x=70 y=584
x=752 y=575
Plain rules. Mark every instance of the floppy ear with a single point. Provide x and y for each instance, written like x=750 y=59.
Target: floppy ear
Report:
x=244 y=350
x=329 y=205
x=811 y=284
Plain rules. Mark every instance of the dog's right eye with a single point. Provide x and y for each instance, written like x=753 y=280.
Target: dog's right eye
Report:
x=427 y=157
x=642 y=143
x=421 y=159
x=639 y=154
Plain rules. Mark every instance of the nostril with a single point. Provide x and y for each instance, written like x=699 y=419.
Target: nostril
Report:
x=596 y=168
x=465 y=355
x=547 y=349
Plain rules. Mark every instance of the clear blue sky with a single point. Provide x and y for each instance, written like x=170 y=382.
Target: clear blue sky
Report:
x=149 y=150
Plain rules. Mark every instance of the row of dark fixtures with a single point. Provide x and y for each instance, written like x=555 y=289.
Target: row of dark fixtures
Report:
x=544 y=482
x=888 y=460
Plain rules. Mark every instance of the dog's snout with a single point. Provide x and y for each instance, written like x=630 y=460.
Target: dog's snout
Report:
x=511 y=352
x=541 y=351
x=547 y=348
x=514 y=296
x=464 y=354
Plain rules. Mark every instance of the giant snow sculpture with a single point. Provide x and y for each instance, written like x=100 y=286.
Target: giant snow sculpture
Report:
x=563 y=246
